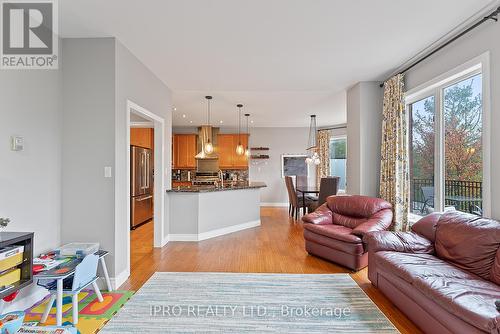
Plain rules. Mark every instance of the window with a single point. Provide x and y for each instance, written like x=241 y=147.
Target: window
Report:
x=338 y=158
x=422 y=136
x=446 y=136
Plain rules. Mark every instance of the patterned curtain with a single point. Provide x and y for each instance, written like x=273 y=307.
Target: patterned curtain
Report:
x=394 y=175
x=323 y=169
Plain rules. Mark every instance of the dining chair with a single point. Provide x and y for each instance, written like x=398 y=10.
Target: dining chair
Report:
x=428 y=197
x=295 y=201
x=329 y=186
x=289 y=192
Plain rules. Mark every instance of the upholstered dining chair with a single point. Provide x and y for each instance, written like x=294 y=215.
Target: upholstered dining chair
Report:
x=295 y=202
x=329 y=186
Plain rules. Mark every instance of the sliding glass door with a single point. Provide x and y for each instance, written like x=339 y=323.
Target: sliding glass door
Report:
x=446 y=146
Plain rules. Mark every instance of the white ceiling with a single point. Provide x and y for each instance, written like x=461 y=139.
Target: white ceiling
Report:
x=283 y=59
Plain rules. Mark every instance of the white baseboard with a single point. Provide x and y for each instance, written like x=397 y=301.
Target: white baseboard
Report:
x=213 y=233
x=183 y=237
x=118 y=280
x=274 y=204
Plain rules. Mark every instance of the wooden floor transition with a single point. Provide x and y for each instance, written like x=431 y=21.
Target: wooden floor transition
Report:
x=275 y=247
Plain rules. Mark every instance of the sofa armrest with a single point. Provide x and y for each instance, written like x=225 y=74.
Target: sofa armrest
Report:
x=322 y=216
x=404 y=242
x=380 y=221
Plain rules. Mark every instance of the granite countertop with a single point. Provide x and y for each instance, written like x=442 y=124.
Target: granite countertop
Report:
x=227 y=186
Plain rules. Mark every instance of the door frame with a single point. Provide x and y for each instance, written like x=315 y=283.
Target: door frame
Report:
x=159 y=176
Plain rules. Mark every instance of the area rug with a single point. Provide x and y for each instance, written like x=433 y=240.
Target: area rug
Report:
x=92 y=313
x=249 y=303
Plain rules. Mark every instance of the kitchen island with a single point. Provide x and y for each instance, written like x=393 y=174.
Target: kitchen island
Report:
x=204 y=212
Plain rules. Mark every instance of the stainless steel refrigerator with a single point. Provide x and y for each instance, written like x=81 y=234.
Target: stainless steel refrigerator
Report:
x=141 y=183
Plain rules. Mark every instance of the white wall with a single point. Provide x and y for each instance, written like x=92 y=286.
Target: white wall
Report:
x=364 y=133
x=30 y=180
x=483 y=39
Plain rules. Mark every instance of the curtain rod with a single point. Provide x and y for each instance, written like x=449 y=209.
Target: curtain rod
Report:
x=334 y=128
x=493 y=16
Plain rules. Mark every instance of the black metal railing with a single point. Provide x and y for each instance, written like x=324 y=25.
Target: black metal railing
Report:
x=465 y=196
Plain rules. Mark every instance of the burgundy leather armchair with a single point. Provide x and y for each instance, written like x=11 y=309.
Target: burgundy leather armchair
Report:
x=444 y=274
x=335 y=230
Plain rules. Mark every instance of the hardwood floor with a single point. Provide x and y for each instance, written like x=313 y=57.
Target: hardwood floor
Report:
x=275 y=247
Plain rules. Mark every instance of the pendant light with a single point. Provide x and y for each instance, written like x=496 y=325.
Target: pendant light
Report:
x=247 y=150
x=312 y=146
x=240 y=150
x=208 y=148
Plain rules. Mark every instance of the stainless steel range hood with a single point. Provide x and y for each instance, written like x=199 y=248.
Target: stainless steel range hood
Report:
x=207 y=162
x=206 y=132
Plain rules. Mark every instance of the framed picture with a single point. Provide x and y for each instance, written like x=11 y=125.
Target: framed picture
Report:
x=293 y=164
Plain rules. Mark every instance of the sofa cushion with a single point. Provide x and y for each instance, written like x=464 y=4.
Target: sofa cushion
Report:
x=409 y=266
x=337 y=232
x=460 y=292
x=357 y=206
x=495 y=270
x=321 y=216
x=470 y=298
x=426 y=226
x=470 y=242
x=349 y=222
x=339 y=245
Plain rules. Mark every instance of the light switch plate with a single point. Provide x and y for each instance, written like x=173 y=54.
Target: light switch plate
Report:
x=108 y=171
x=17 y=143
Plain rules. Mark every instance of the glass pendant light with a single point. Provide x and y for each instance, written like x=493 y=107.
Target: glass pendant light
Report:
x=208 y=148
x=247 y=150
x=312 y=146
x=240 y=150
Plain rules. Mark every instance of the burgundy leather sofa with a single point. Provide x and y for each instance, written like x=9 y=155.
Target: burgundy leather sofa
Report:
x=444 y=275
x=335 y=230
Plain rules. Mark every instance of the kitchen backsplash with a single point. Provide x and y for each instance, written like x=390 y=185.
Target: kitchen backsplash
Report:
x=182 y=174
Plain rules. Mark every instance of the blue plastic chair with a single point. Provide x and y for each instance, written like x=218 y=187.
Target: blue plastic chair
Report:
x=85 y=275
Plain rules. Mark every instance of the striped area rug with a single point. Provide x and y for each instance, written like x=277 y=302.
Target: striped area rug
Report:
x=249 y=303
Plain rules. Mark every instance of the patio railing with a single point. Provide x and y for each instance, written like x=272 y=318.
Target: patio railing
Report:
x=465 y=196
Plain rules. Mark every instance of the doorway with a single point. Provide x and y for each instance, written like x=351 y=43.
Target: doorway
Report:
x=145 y=132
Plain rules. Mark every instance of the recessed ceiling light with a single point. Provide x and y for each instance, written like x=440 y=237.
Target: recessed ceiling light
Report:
x=251 y=121
x=183 y=115
x=221 y=121
x=190 y=121
x=175 y=108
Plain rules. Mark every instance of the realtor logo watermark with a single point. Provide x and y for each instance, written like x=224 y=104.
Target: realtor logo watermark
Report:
x=249 y=311
x=29 y=34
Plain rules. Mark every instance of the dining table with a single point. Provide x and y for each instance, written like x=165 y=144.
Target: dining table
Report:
x=304 y=190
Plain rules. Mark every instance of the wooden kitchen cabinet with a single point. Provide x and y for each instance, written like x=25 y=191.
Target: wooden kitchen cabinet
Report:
x=143 y=137
x=184 y=151
x=226 y=149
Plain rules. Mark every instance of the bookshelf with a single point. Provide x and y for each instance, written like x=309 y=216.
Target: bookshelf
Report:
x=25 y=239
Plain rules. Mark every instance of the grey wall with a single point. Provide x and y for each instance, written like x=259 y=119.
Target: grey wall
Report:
x=99 y=75
x=88 y=67
x=30 y=180
x=135 y=82
x=483 y=39
x=30 y=183
x=364 y=127
x=280 y=141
